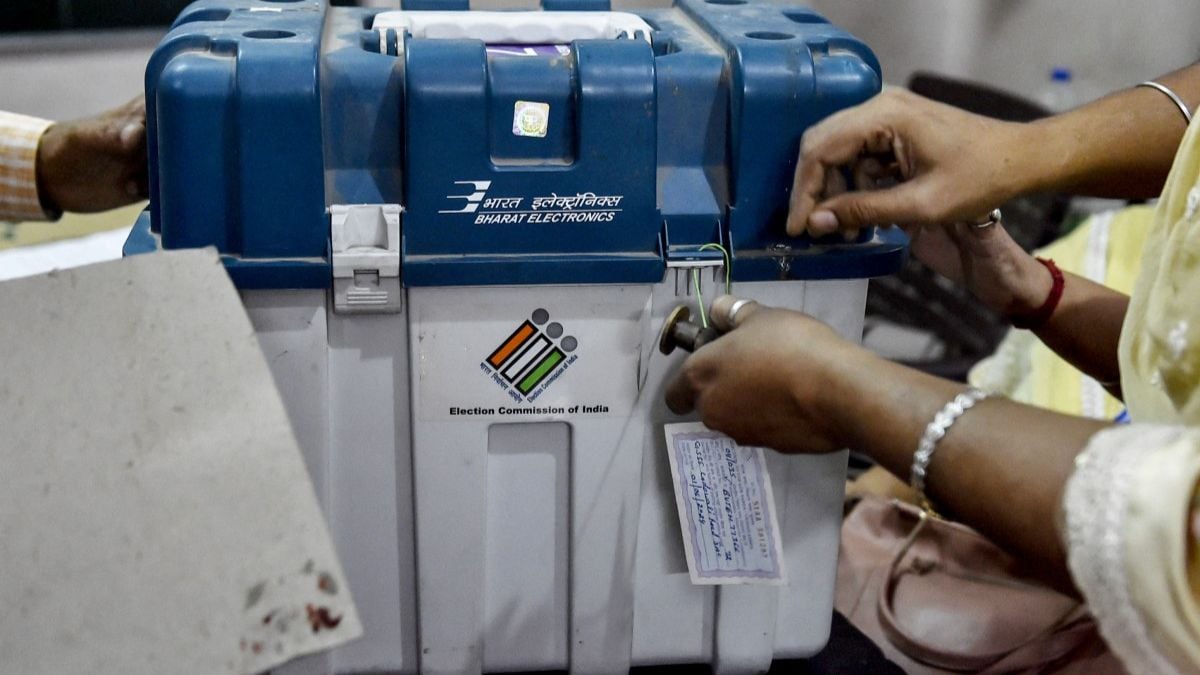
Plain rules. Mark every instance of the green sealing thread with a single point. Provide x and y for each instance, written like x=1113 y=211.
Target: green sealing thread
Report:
x=696 y=279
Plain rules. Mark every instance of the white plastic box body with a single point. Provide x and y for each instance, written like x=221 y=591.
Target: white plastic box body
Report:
x=483 y=540
x=344 y=382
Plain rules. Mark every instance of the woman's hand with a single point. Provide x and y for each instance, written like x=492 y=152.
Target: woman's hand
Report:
x=932 y=169
x=770 y=380
x=985 y=261
x=783 y=380
x=915 y=162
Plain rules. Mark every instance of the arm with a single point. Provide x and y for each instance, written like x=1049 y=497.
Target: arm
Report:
x=1120 y=146
x=19 y=136
x=1108 y=512
x=1001 y=468
x=94 y=164
x=954 y=166
x=930 y=166
x=1085 y=327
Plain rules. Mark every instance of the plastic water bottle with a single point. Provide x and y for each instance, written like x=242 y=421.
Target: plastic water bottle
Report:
x=1059 y=94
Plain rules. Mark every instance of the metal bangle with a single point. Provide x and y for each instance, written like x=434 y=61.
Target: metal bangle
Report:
x=1187 y=114
x=936 y=431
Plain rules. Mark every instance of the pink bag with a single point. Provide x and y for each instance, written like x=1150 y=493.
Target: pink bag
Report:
x=937 y=597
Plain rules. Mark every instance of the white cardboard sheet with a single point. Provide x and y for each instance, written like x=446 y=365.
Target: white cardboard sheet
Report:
x=155 y=512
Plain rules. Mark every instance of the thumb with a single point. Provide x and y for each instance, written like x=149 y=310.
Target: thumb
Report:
x=854 y=210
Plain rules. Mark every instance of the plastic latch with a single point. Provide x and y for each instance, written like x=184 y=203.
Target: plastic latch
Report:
x=366 y=258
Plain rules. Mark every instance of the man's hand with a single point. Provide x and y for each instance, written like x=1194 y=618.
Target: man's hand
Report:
x=94 y=164
x=915 y=162
x=768 y=382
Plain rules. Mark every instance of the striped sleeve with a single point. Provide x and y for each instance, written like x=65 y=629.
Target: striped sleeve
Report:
x=19 y=138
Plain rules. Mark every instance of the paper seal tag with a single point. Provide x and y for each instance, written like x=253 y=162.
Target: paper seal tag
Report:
x=726 y=508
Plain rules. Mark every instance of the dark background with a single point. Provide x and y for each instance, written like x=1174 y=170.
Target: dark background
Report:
x=50 y=15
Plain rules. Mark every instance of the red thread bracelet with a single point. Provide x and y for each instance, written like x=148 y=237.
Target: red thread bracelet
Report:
x=1038 y=317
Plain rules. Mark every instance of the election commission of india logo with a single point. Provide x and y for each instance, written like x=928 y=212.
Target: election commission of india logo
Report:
x=532 y=357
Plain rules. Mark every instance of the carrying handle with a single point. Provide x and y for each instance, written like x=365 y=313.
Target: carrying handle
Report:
x=939 y=657
x=515 y=28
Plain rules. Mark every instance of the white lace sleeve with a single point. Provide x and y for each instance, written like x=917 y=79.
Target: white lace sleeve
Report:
x=1125 y=506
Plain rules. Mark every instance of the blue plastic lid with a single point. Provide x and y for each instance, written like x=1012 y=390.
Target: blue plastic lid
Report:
x=1060 y=74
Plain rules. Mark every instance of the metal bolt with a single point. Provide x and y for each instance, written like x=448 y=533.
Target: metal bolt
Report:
x=678 y=331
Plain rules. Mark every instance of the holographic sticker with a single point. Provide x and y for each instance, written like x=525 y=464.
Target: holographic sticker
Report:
x=531 y=118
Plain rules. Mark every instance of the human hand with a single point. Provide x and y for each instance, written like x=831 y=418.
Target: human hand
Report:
x=879 y=482
x=987 y=262
x=768 y=381
x=915 y=162
x=933 y=170
x=95 y=164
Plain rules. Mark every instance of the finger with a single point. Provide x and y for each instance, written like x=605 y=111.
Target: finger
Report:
x=835 y=184
x=935 y=246
x=133 y=136
x=853 y=210
x=130 y=111
x=874 y=172
x=835 y=181
x=837 y=141
x=136 y=107
x=821 y=150
x=133 y=132
x=865 y=171
x=121 y=130
x=728 y=312
x=680 y=395
x=975 y=233
x=816 y=176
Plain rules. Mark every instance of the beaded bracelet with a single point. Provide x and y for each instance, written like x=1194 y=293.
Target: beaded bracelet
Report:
x=936 y=431
x=1038 y=317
